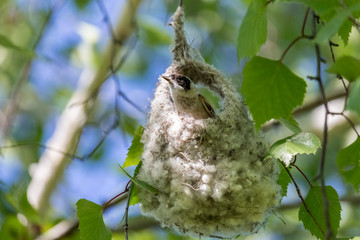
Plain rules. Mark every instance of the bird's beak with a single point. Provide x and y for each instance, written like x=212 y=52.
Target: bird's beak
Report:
x=167 y=79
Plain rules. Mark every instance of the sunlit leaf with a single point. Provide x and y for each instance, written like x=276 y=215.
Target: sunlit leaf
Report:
x=286 y=148
x=253 y=30
x=315 y=204
x=271 y=90
x=135 y=150
x=91 y=223
x=347 y=66
x=348 y=162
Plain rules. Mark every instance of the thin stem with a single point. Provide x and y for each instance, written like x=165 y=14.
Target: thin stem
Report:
x=180 y=3
x=331 y=45
x=290 y=45
x=126 y=225
x=302 y=198
x=304 y=22
x=352 y=125
x=302 y=173
x=13 y=105
x=299 y=37
x=118 y=195
x=37 y=145
x=329 y=233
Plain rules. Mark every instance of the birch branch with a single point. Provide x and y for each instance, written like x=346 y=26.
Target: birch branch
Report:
x=51 y=166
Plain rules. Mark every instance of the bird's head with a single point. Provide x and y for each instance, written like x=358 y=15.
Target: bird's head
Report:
x=180 y=84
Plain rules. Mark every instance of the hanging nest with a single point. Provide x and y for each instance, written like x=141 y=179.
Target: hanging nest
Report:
x=211 y=173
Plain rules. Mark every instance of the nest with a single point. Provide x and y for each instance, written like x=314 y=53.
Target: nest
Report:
x=211 y=173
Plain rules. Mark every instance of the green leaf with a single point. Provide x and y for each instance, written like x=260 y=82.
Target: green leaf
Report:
x=349 y=3
x=291 y=124
x=346 y=66
x=5 y=42
x=354 y=98
x=335 y=23
x=315 y=204
x=253 y=30
x=134 y=188
x=140 y=182
x=82 y=3
x=91 y=223
x=271 y=90
x=134 y=194
x=344 y=31
x=348 y=162
x=152 y=32
x=135 y=150
x=286 y=148
x=283 y=180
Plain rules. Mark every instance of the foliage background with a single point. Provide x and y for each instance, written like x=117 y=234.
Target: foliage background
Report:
x=73 y=40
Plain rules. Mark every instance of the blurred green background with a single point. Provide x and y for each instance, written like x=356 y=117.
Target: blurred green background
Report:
x=42 y=57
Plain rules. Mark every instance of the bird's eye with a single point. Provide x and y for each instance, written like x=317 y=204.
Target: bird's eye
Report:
x=183 y=81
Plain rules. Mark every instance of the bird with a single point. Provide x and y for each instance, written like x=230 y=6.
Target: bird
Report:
x=186 y=98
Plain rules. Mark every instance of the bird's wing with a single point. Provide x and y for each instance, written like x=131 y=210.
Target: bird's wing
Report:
x=209 y=109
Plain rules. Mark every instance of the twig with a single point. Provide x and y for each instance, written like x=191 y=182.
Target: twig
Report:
x=126 y=98
x=118 y=195
x=72 y=120
x=318 y=102
x=126 y=225
x=13 y=105
x=37 y=145
x=299 y=37
x=306 y=107
x=331 y=45
x=329 y=233
x=302 y=199
x=302 y=173
x=352 y=125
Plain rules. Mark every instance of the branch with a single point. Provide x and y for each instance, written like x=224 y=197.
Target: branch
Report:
x=307 y=107
x=13 y=104
x=69 y=127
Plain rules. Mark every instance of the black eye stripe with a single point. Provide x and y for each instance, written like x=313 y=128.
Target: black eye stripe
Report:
x=183 y=81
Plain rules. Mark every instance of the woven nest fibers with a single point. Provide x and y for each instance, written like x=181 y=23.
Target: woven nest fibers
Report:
x=211 y=173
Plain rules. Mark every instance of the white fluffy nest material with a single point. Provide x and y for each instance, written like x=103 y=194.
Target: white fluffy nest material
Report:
x=211 y=173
